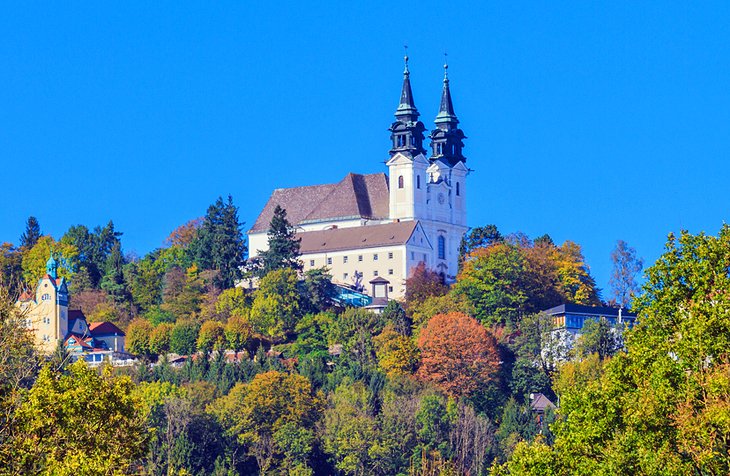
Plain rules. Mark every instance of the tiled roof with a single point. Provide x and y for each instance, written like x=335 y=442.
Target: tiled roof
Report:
x=25 y=297
x=355 y=238
x=540 y=402
x=104 y=328
x=355 y=196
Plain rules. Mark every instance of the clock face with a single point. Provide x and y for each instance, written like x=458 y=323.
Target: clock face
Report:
x=441 y=198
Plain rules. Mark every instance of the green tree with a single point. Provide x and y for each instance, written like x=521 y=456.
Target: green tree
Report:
x=317 y=290
x=113 y=280
x=219 y=244
x=237 y=332
x=34 y=260
x=479 y=237
x=11 y=268
x=277 y=305
x=184 y=337
x=80 y=423
x=599 y=337
x=661 y=407
x=145 y=283
x=32 y=233
x=283 y=249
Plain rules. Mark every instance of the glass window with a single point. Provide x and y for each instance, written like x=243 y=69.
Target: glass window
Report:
x=400 y=181
x=375 y=273
x=345 y=276
x=375 y=257
x=458 y=189
x=390 y=255
x=418 y=181
x=390 y=289
x=413 y=255
x=344 y=259
x=390 y=271
x=359 y=258
x=329 y=260
x=311 y=262
x=442 y=247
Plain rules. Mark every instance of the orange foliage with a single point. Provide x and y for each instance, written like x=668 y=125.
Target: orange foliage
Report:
x=184 y=234
x=457 y=354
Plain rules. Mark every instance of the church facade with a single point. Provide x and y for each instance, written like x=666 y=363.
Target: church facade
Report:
x=378 y=226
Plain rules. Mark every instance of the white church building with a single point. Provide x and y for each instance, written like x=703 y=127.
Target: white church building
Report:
x=377 y=226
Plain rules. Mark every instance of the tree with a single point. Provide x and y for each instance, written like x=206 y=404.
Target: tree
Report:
x=283 y=249
x=31 y=234
x=237 y=332
x=211 y=337
x=396 y=353
x=160 y=338
x=219 y=243
x=11 y=269
x=233 y=302
x=35 y=259
x=113 y=281
x=184 y=235
x=397 y=317
x=277 y=305
x=626 y=265
x=479 y=237
x=422 y=284
x=457 y=354
x=80 y=423
x=184 y=337
x=145 y=283
x=138 y=337
x=94 y=248
x=599 y=337
x=273 y=418
x=656 y=409
x=318 y=290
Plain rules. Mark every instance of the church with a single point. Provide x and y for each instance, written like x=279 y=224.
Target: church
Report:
x=377 y=228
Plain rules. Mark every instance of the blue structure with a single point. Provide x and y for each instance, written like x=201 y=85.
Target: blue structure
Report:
x=572 y=317
x=349 y=297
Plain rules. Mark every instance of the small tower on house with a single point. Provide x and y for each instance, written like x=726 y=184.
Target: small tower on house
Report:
x=407 y=164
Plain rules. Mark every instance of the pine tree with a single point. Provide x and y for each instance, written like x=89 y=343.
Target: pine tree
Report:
x=31 y=234
x=283 y=249
x=113 y=280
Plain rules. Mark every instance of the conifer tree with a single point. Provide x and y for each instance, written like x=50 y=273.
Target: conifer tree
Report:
x=283 y=249
x=113 y=280
x=31 y=234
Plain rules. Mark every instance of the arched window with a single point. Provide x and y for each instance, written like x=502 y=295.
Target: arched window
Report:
x=458 y=189
x=442 y=247
x=400 y=181
x=418 y=181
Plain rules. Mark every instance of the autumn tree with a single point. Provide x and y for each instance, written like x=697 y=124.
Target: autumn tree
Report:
x=184 y=337
x=138 y=337
x=422 y=284
x=237 y=332
x=273 y=418
x=397 y=354
x=184 y=235
x=34 y=260
x=211 y=337
x=80 y=423
x=283 y=251
x=160 y=338
x=479 y=237
x=626 y=266
x=661 y=407
x=457 y=354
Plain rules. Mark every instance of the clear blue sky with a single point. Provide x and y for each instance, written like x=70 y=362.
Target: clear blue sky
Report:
x=588 y=122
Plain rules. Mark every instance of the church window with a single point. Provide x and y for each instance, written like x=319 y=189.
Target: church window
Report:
x=390 y=255
x=375 y=257
x=418 y=181
x=400 y=181
x=458 y=189
x=442 y=247
x=344 y=259
x=46 y=297
x=311 y=262
x=375 y=273
x=390 y=271
x=359 y=257
x=329 y=260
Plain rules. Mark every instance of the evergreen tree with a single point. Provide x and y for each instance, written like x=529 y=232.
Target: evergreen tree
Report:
x=113 y=280
x=219 y=243
x=31 y=234
x=283 y=249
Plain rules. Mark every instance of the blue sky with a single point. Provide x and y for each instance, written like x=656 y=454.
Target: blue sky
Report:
x=591 y=122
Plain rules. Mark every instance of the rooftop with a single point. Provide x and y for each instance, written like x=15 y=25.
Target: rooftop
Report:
x=371 y=236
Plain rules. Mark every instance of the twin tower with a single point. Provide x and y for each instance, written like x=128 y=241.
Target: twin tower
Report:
x=430 y=187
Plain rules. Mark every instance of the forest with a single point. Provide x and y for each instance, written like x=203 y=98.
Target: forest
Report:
x=282 y=380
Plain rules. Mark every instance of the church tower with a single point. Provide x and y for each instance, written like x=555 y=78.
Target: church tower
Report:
x=407 y=165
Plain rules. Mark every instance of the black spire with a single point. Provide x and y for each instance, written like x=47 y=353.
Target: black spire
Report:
x=407 y=131
x=447 y=138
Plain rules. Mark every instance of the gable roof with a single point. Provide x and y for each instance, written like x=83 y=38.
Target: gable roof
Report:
x=104 y=328
x=355 y=196
x=540 y=402
x=354 y=238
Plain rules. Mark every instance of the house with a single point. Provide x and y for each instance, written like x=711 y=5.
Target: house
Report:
x=47 y=315
x=572 y=317
x=372 y=226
